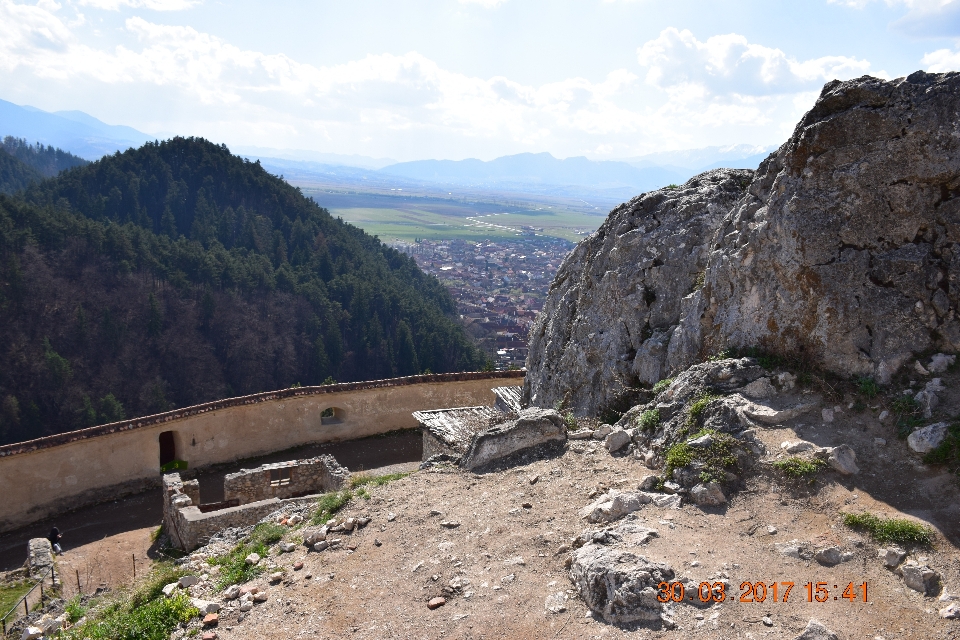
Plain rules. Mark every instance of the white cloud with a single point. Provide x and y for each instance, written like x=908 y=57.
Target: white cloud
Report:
x=487 y=4
x=729 y=64
x=408 y=106
x=156 y=5
x=924 y=18
x=941 y=61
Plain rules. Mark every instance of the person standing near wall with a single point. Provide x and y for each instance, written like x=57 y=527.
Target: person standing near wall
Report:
x=54 y=539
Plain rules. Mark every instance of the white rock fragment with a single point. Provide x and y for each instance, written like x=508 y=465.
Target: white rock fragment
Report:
x=928 y=438
x=816 y=631
x=616 y=440
x=169 y=589
x=828 y=556
x=253 y=558
x=940 y=363
x=843 y=459
x=919 y=577
x=798 y=446
x=883 y=415
x=556 y=602
x=708 y=494
x=892 y=556
x=232 y=592
x=205 y=606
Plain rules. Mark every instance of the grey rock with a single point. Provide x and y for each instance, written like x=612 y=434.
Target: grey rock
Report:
x=31 y=633
x=313 y=536
x=556 y=602
x=940 y=363
x=618 y=586
x=617 y=440
x=232 y=592
x=837 y=246
x=536 y=430
x=816 y=631
x=950 y=612
x=920 y=577
x=320 y=546
x=798 y=446
x=843 y=459
x=928 y=438
x=253 y=558
x=668 y=501
x=703 y=442
x=190 y=580
x=602 y=432
x=628 y=277
x=794 y=549
x=205 y=606
x=892 y=556
x=614 y=505
x=708 y=494
x=928 y=398
x=582 y=434
x=671 y=487
x=170 y=589
x=828 y=556
x=286 y=547
x=649 y=483
x=759 y=389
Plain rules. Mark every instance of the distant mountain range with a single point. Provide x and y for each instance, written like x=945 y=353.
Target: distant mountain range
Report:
x=604 y=182
x=73 y=131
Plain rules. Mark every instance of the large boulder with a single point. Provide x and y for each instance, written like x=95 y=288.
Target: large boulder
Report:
x=537 y=431
x=615 y=301
x=617 y=585
x=844 y=247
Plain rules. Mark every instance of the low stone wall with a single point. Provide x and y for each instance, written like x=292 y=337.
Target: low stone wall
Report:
x=66 y=471
x=285 y=480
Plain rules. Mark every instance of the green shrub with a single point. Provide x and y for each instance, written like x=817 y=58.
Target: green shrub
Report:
x=714 y=460
x=75 y=609
x=867 y=386
x=154 y=620
x=649 y=420
x=678 y=456
x=885 y=530
x=662 y=385
x=698 y=405
x=799 y=467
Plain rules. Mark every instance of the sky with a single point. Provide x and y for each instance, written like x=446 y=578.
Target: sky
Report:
x=453 y=79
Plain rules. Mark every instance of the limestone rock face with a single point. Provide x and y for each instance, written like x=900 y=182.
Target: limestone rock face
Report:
x=616 y=298
x=845 y=246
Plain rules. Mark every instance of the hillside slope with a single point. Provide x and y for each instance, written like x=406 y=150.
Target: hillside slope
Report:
x=15 y=175
x=178 y=273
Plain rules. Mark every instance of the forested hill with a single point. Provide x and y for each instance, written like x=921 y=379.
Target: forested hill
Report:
x=178 y=273
x=47 y=161
x=14 y=174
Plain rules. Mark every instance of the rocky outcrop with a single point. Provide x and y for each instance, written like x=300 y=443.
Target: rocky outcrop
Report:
x=844 y=247
x=616 y=299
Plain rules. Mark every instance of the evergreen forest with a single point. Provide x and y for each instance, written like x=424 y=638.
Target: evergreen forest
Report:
x=178 y=273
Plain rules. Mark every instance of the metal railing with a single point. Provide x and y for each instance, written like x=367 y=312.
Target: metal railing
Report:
x=24 y=603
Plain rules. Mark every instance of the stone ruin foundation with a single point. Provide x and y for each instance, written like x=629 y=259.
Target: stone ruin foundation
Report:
x=249 y=496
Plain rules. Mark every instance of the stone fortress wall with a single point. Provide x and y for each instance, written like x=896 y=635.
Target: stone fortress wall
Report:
x=58 y=473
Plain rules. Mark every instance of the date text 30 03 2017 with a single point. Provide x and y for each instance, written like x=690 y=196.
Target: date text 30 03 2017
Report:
x=763 y=592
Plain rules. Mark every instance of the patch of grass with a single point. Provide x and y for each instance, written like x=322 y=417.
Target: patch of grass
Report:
x=362 y=479
x=154 y=620
x=698 y=405
x=329 y=503
x=10 y=594
x=156 y=533
x=679 y=455
x=796 y=467
x=233 y=565
x=662 y=385
x=571 y=421
x=867 y=386
x=884 y=530
x=649 y=420
x=151 y=586
x=908 y=415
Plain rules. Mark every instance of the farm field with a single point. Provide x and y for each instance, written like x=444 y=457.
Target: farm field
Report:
x=404 y=218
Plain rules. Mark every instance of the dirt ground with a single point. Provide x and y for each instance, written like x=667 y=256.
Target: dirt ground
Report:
x=382 y=591
x=506 y=549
